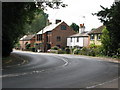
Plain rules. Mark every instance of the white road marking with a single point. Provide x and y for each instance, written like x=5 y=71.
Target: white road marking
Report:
x=102 y=83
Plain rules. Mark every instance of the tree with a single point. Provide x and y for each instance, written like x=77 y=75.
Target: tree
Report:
x=15 y=15
x=75 y=27
x=111 y=19
x=38 y=23
x=105 y=39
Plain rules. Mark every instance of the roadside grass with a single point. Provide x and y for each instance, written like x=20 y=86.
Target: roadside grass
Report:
x=11 y=60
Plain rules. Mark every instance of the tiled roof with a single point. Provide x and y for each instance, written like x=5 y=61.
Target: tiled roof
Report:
x=27 y=37
x=84 y=34
x=49 y=28
x=97 y=31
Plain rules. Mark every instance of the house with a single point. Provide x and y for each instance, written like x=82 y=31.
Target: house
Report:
x=53 y=35
x=95 y=35
x=25 y=40
x=80 y=39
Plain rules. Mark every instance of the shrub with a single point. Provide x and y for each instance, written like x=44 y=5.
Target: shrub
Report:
x=32 y=49
x=55 y=48
x=28 y=46
x=60 y=51
x=67 y=51
x=76 y=51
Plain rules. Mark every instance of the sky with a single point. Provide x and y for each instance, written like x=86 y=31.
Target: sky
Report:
x=80 y=11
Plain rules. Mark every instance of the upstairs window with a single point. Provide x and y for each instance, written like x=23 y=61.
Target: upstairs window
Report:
x=58 y=38
x=63 y=27
x=39 y=37
x=98 y=36
x=92 y=37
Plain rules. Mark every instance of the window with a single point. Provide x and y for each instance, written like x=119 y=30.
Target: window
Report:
x=77 y=39
x=63 y=27
x=92 y=37
x=98 y=36
x=58 y=38
x=71 y=39
x=39 y=37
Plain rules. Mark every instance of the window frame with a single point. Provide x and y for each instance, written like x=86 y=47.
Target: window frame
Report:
x=92 y=37
x=63 y=27
x=58 y=38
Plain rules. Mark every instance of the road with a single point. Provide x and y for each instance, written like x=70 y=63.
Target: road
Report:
x=59 y=71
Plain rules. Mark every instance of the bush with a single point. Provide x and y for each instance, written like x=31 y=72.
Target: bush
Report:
x=32 y=49
x=27 y=46
x=76 y=51
x=60 y=51
x=67 y=51
x=55 y=48
x=84 y=51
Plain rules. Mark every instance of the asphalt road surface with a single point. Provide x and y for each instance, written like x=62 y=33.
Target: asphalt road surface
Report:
x=60 y=71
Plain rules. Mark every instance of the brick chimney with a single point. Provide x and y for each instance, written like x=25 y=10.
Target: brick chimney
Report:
x=57 y=21
x=82 y=28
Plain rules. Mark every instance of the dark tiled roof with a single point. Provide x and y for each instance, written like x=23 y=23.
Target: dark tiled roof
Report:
x=85 y=34
x=97 y=31
x=28 y=37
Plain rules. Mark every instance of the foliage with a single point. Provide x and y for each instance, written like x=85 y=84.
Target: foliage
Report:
x=14 y=17
x=55 y=48
x=17 y=45
x=75 y=27
x=28 y=46
x=38 y=23
x=105 y=40
x=60 y=51
x=67 y=50
x=111 y=19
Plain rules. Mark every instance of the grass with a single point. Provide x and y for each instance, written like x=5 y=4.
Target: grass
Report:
x=11 y=60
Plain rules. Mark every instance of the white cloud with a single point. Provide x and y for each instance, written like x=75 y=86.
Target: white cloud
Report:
x=77 y=9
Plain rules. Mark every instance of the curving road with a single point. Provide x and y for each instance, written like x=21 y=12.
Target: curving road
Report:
x=59 y=71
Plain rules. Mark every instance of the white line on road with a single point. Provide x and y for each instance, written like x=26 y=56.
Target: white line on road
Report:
x=102 y=83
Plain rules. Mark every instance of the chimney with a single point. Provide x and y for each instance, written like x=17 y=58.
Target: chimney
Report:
x=48 y=22
x=57 y=21
x=82 y=28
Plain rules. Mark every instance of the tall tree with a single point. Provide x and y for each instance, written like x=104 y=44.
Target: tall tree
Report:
x=15 y=15
x=75 y=27
x=111 y=19
x=38 y=23
x=105 y=39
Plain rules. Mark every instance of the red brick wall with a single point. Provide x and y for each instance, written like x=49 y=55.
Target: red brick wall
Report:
x=62 y=33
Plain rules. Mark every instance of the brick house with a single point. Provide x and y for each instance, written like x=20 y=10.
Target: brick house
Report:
x=95 y=36
x=53 y=35
x=27 y=39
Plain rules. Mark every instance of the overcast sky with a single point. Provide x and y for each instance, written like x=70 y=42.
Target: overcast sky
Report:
x=76 y=9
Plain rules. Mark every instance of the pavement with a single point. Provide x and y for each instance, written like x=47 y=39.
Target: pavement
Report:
x=60 y=71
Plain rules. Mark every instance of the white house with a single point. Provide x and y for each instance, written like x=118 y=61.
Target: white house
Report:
x=80 y=39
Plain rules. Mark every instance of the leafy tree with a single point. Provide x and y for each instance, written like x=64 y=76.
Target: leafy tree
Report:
x=75 y=27
x=111 y=19
x=38 y=23
x=105 y=39
x=15 y=15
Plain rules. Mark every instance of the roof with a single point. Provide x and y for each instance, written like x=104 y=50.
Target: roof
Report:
x=27 y=37
x=49 y=28
x=97 y=31
x=84 y=34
